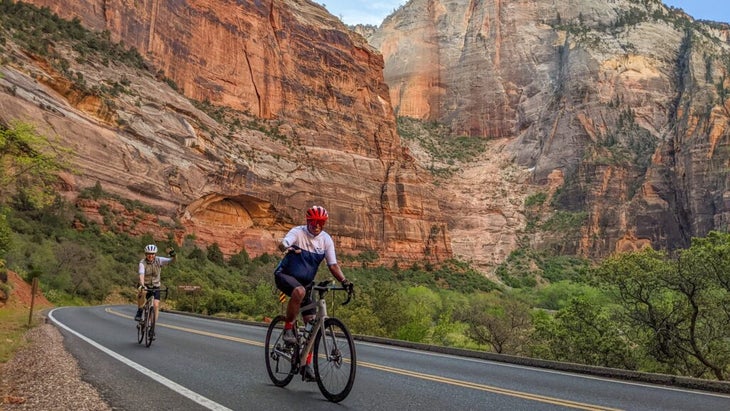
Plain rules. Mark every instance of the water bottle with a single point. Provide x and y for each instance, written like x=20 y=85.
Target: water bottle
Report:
x=308 y=327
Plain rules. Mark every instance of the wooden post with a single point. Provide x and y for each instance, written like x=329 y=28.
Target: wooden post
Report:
x=33 y=291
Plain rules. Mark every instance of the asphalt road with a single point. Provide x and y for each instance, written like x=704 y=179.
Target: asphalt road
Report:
x=199 y=363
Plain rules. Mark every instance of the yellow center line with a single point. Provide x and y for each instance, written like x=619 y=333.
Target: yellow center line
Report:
x=482 y=387
x=428 y=377
x=193 y=331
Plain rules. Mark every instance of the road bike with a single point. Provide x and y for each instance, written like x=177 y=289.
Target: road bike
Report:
x=146 y=326
x=326 y=337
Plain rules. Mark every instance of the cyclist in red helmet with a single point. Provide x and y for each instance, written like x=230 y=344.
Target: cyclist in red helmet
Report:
x=305 y=247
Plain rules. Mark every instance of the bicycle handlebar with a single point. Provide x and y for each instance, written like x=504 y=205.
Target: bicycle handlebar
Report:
x=144 y=287
x=163 y=289
x=324 y=286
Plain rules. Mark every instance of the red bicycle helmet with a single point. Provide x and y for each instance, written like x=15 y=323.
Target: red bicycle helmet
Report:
x=317 y=213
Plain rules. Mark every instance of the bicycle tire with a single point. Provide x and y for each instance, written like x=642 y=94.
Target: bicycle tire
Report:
x=150 y=325
x=141 y=330
x=280 y=368
x=335 y=361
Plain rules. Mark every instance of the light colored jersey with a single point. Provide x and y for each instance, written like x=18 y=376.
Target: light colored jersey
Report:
x=152 y=269
x=303 y=266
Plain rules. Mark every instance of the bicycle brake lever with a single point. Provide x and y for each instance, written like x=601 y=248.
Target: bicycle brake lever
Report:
x=350 y=292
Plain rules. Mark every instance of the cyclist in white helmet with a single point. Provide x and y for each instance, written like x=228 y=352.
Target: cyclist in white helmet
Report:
x=150 y=268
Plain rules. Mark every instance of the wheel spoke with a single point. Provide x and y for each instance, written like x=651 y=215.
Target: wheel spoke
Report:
x=278 y=356
x=334 y=361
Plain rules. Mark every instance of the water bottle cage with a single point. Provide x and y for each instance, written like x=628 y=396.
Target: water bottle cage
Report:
x=304 y=332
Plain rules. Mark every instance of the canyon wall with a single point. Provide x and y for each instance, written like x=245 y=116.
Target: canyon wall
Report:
x=320 y=127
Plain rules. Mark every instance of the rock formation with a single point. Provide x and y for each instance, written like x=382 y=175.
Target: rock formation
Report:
x=614 y=113
x=626 y=100
x=313 y=125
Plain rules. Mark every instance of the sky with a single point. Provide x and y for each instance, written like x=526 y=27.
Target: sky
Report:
x=373 y=12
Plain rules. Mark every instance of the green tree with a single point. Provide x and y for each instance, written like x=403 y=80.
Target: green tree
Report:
x=498 y=321
x=215 y=255
x=585 y=332
x=6 y=238
x=29 y=164
x=422 y=308
x=679 y=305
x=82 y=266
x=197 y=255
x=240 y=260
x=389 y=306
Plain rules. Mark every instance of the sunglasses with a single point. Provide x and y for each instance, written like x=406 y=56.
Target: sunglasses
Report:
x=316 y=222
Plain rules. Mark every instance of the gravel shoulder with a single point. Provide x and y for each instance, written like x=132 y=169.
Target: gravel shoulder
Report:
x=44 y=376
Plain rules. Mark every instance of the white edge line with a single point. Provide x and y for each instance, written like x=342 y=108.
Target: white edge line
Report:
x=194 y=396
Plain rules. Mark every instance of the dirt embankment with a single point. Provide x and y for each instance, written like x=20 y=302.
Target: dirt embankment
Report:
x=20 y=294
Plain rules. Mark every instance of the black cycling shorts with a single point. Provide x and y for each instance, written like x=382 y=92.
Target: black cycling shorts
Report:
x=154 y=291
x=287 y=284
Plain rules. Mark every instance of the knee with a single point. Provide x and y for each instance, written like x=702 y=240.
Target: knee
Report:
x=298 y=294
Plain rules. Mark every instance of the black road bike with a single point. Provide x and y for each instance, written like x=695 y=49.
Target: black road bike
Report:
x=146 y=326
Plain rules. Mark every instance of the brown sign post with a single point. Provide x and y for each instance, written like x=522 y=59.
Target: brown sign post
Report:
x=33 y=291
x=190 y=289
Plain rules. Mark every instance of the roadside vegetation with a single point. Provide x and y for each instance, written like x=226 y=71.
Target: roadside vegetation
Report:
x=13 y=324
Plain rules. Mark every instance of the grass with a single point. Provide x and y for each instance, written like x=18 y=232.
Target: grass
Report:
x=13 y=325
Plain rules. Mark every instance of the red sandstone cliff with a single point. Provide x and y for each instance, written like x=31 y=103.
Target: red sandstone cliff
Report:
x=320 y=125
x=618 y=109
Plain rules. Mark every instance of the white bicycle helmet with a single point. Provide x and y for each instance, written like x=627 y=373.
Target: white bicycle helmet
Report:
x=150 y=249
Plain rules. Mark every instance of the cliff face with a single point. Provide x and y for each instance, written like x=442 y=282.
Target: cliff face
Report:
x=320 y=125
x=618 y=109
x=614 y=113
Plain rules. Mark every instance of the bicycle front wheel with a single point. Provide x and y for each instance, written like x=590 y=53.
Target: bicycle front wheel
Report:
x=149 y=325
x=141 y=330
x=279 y=356
x=334 y=360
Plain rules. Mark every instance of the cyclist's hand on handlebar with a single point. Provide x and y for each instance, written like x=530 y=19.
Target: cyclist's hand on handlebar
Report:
x=295 y=250
x=349 y=287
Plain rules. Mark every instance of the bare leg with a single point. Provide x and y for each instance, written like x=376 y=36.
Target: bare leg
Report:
x=140 y=298
x=157 y=309
x=292 y=308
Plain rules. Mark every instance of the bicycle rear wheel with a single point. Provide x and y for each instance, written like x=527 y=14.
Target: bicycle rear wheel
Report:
x=150 y=325
x=279 y=355
x=334 y=360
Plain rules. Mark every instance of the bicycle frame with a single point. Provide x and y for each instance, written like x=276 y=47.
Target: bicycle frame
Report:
x=149 y=302
x=320 y=317
x=150 y=297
